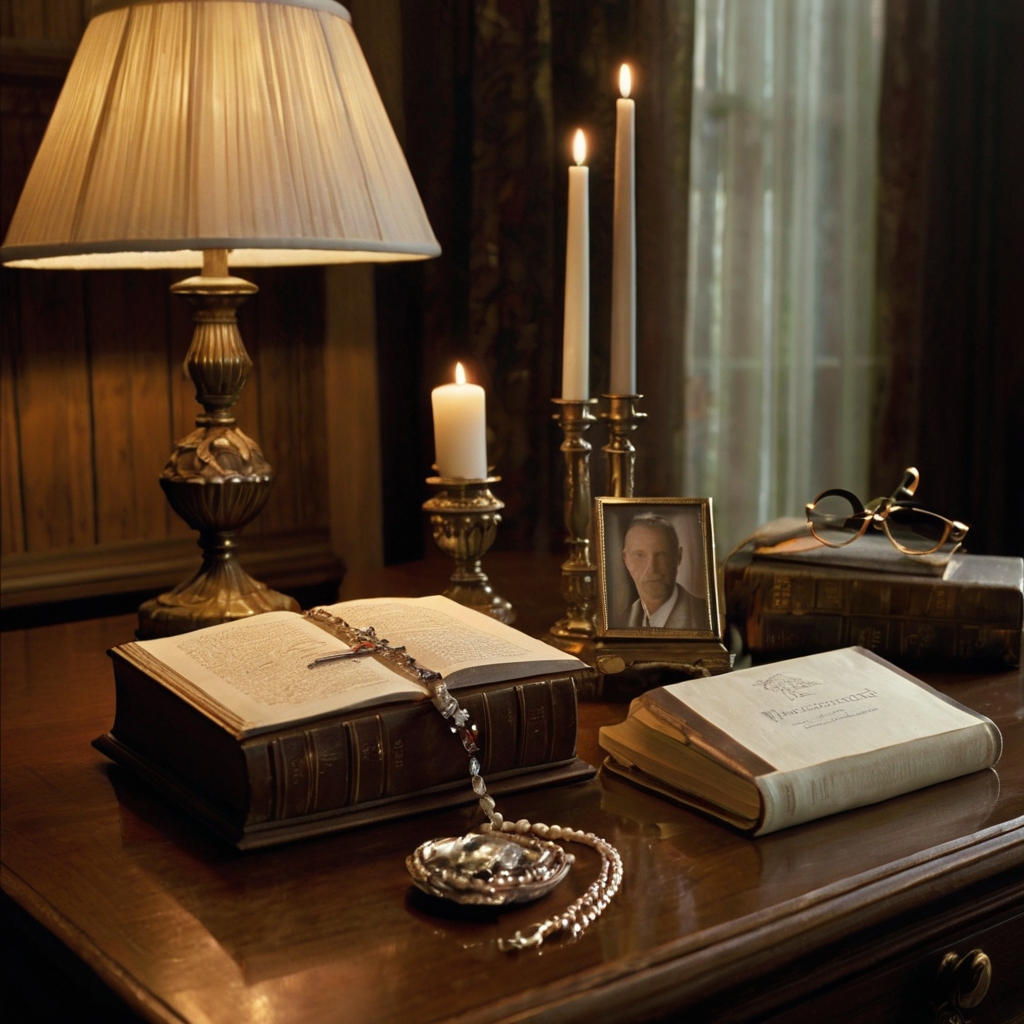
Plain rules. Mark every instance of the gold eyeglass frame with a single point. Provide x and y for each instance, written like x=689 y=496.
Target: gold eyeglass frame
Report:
x=876 y=514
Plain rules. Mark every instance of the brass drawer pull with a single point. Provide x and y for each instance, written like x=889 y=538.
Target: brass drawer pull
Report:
x=961 y=984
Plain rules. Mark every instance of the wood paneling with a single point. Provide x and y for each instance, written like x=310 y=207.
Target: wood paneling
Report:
x=12 y=520
x=130 y=402
x=43 y=19
x=94 y=399
x=55 y=412
x=351 y=383
x=292 y=419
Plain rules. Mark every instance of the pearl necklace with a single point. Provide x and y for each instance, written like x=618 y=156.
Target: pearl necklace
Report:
x=504 y=862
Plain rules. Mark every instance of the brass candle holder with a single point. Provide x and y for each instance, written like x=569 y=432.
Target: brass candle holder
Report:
x=579 y=574
x=464 y=517
x=622 y=418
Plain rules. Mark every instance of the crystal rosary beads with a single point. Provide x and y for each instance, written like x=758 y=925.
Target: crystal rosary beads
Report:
x=505 y=862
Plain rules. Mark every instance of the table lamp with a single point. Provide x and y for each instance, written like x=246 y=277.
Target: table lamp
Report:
x=198 y=133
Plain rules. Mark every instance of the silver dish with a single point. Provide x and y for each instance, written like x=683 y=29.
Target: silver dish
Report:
x=489 y=870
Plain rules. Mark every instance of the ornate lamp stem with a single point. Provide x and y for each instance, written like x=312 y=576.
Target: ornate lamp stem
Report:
x=623 y=418
x=464 y=519
x=217 y=479
x=579 y=574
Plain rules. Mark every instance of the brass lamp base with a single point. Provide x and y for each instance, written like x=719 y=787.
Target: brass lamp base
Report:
x=219 y=591
x=464 y=519
x=216 y=479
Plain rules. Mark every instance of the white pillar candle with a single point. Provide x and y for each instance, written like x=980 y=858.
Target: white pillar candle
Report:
x=576 y=334
x=623 y=357
x=460 y=438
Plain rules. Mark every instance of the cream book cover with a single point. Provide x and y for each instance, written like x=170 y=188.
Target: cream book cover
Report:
x=783 y=743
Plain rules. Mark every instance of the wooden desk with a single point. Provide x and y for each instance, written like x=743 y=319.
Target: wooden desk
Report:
x=842 y=919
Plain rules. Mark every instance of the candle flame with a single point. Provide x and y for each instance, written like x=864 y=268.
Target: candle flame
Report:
x=625 y=81
x=460 y=374
x=579 y=147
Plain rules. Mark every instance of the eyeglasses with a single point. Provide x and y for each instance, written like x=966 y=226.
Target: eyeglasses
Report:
x=838 y=518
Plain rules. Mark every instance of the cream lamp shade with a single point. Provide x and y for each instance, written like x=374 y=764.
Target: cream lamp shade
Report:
x=247 y=125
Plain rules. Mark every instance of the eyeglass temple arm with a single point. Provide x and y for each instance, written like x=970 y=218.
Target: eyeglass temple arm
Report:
x=907 y=485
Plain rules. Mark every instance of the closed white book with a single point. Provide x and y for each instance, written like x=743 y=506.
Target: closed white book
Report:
x=776 y=745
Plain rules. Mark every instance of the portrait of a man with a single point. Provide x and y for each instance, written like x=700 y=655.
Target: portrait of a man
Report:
x=652 y=555
x=656 y=557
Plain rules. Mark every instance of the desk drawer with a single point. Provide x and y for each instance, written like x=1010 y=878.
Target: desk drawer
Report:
x=903 y=991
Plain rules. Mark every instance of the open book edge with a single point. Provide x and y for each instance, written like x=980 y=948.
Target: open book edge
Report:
x=248 y=687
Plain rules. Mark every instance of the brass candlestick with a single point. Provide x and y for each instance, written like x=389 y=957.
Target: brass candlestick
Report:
x=579 y=574
x=622 y=418
x=464 y=516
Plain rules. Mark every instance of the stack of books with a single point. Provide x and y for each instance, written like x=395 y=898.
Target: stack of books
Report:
x=233 y=724
x=789 y=595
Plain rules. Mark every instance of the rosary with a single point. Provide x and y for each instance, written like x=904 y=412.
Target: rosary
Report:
x=505 y=862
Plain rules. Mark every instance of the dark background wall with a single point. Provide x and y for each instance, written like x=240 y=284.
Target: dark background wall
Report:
x=951 y=263
x=91 y=395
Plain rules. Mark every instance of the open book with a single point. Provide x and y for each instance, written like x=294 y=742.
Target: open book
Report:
x=232 y=723
x=253 y=675
x=769 y=747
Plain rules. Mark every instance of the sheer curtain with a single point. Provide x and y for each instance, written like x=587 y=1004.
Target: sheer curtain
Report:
x=780 y=355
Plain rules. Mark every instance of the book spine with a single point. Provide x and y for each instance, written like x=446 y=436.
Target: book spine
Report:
x=791 y=798
x=913 y=620
x=391 y=752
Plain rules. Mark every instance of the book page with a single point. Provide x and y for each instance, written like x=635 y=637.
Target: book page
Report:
x=258 y=669
x=465 y=646
x=806 y=711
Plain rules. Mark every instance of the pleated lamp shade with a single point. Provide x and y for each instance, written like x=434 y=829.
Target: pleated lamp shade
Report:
x=248 y=125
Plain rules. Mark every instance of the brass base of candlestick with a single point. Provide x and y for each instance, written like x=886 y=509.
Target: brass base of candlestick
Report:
x=622 y=418
x=464 y=519
x=579 y=574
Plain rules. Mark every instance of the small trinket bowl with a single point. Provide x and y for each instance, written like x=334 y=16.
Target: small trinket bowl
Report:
x=493 y=869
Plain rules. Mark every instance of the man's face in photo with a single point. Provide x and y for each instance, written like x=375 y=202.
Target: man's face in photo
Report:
x=652 y=557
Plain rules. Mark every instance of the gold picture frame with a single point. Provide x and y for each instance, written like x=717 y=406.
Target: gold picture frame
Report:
x=636 y=551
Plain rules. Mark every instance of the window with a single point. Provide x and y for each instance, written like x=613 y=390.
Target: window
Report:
x=780 y=355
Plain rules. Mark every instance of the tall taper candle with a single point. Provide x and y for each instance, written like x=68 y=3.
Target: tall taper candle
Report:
x=576 y=335
x=623 y=358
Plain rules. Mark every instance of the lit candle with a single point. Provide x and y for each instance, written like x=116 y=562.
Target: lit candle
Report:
x=576 y=335
x=623 y=376
x=460 y=442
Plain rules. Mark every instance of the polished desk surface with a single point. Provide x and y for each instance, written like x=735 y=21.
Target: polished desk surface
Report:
x=183 y=928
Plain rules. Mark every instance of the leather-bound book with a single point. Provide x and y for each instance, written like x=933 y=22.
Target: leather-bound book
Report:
x=234 y=724
x=970 y=616
x=769 y=747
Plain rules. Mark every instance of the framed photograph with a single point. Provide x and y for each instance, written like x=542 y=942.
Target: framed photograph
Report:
x=656 y=569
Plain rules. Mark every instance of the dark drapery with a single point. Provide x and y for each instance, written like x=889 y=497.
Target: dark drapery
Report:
x=494 y=90
x=951 y=263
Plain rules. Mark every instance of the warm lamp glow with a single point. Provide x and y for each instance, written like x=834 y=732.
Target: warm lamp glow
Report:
x=460 y=374
x=241 y=125
x=579 y=147
x=625 y=81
